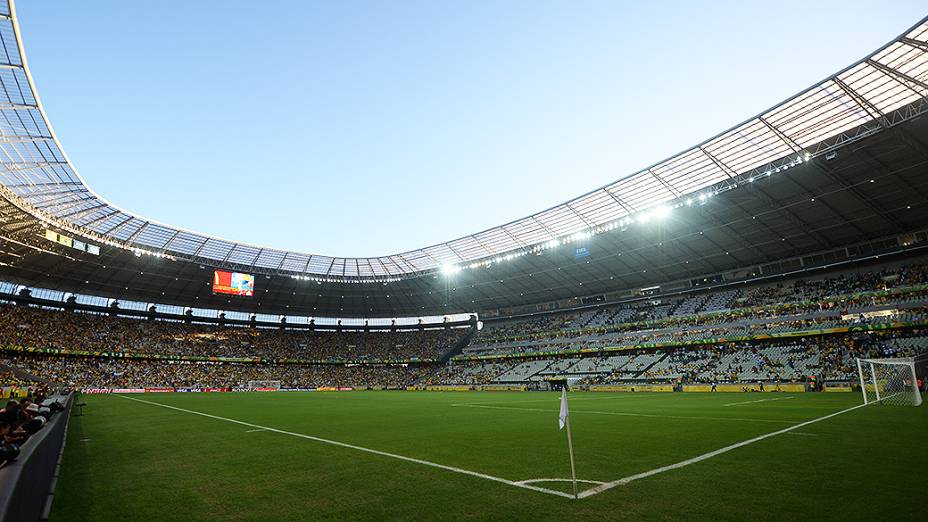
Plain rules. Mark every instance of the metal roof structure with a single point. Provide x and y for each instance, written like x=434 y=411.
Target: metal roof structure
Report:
x=864 y=203
x=879 y=92
x=836 y=175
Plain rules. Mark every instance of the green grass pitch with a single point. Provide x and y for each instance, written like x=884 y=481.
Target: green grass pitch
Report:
x=129 y=460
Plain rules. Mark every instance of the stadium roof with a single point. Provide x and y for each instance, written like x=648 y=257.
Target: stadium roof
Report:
x=835 y=174
x=878 y=92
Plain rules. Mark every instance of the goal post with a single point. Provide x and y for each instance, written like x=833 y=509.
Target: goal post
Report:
x=263 y=385
x=889 y=381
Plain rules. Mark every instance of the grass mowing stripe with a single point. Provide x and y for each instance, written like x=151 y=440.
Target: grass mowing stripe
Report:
x=705 y=456
x=360 y=448
x=625 y=414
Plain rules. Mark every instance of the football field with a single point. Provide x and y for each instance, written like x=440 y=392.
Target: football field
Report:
x=490 y=456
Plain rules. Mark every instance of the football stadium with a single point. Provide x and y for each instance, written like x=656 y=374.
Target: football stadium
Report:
x=737 y=331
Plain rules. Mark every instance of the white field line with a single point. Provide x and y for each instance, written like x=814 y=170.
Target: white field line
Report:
x=559 y=480
x=638 y=395
x=557 y=399
x=360 y=448
x=626 y=414
x=622 y=481
x=759 y=400
x=253 y=431
x=573 y=398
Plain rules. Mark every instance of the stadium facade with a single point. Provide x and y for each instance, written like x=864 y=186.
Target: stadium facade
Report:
x=833 y=175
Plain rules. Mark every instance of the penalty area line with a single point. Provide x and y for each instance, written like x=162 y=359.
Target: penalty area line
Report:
x=553 y=400
x=626 y=414
x=705 y=456
x=484 y=476
x=759 y=400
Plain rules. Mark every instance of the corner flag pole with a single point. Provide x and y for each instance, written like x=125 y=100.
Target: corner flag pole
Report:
x=564 y=417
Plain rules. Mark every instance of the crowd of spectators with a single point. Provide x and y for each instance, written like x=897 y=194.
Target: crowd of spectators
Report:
x=40 y=328
x=820 y=358
x=826 y=358
x=470 y=373
x=32 y=327
x=514 y=327
x=829 y=357
x=106 y=372
x=842 y=284
x=796 y=298
x=682 y=334
x=22 y=417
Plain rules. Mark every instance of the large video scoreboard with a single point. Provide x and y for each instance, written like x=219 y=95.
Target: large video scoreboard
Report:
x=233 y=283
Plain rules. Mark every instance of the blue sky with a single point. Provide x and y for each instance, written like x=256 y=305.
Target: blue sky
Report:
x=368 y=128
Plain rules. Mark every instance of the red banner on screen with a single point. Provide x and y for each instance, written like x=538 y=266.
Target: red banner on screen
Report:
x=233 y=283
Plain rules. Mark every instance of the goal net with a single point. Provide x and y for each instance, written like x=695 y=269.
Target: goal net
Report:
x=889 y=381
x=263 y=385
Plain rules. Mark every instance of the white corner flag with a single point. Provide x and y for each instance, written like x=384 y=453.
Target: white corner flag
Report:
x=563 y=419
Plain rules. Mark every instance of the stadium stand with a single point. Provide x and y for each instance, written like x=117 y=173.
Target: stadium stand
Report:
x=802 y=304
x=744 y=344
x=825 y=360
x=49 y=329
x=111 y=373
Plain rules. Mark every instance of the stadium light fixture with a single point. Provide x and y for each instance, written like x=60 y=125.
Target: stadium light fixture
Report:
x=662 y=212
x=580 y=236
x=449 y=269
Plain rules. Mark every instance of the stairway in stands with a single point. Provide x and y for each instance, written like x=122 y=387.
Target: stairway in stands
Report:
x=458 y=347
x=657 y=360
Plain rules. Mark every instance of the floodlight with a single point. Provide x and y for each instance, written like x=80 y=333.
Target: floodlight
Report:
x=450 y=270
x=662 y=212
